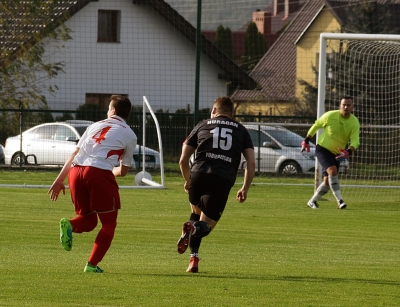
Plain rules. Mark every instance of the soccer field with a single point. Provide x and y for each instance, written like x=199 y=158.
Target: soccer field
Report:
x=271 y=250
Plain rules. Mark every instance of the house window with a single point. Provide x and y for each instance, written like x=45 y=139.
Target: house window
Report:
x=108 y=28
x=100 y=100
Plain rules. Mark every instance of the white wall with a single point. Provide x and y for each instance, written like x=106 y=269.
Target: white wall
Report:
x=152 y=60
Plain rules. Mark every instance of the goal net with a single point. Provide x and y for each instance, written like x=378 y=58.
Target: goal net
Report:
x=365 y=67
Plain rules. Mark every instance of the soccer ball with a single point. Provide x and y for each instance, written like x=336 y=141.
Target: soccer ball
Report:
x=140 y=175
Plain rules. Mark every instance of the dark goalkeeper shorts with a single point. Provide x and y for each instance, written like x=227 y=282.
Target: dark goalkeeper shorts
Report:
x=326 y=159
x=210 y=193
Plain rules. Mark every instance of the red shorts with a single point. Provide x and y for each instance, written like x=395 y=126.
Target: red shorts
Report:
x=93 y=189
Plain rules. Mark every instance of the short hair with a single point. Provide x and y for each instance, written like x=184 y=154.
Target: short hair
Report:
x=122 y=105
x=347 y=97
x=224 y=104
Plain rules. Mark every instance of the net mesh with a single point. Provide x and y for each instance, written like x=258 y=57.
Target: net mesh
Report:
x=367 y=70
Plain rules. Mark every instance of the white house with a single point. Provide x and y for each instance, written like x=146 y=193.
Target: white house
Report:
x=137 y=48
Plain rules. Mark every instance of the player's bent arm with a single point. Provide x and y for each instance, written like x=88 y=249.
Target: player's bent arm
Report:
x=121 y=170
x=187 y=151
x=355 y=139
x=248 y=154
x=58 y=183
x=249 y=172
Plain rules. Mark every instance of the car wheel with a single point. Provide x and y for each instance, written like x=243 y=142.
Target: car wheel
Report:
x=289 y=168
x=18 y=159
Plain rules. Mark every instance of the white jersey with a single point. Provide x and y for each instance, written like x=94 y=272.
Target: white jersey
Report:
x=105 y=143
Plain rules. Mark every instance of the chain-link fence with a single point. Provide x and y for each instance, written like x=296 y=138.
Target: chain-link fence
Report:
x=62 y=60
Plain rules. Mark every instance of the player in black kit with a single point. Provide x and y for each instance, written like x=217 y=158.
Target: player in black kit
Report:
x=218 y=144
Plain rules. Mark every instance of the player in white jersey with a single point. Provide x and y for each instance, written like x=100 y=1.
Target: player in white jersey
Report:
x=104 y=152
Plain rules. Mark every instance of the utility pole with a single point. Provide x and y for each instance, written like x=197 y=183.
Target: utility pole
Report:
x=198 y=54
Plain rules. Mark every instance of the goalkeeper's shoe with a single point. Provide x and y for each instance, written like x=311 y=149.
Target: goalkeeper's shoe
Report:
x=66 y=234
x=183 y=242
x=92 y=269
x=341 y=204
x=194 y=264
x=312 y=204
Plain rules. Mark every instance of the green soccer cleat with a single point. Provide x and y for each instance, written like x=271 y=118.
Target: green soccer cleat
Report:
x=66 y=234
x=92 y=269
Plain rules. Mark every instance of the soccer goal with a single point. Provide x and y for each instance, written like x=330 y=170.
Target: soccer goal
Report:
x=143 y=179
x=367 y=68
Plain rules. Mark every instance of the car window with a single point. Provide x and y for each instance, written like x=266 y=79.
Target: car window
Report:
x=286 y=137
x=81 y=129
x=258 y=138
x=62 y=133
x=44 y=132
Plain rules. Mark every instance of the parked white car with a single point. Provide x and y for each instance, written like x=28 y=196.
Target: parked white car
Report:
x=52 y=143
x=278 y=150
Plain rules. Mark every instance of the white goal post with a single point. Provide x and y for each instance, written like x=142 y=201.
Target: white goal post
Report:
x=147 y=182
x=367 y=68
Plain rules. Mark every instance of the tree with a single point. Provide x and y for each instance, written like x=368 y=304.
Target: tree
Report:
x=368 y=17
x=91 y=112
x=309 y=97
x=23 y=65
x=64 y=117
x=223 y=40
x=255 y=47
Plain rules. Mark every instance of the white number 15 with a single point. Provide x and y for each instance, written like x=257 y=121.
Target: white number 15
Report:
x=222 y=140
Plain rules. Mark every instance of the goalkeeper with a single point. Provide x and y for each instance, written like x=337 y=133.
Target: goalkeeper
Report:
x=341 y=127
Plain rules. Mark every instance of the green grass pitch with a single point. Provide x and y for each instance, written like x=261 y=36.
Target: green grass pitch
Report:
x=271 y=250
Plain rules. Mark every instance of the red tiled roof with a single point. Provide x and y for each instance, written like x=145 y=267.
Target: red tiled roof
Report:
x=238 y=40
x=276 y=71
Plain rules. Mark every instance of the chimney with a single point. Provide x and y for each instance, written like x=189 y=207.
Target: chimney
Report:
x=279 y=6
x=263 y=21
x=291 y=6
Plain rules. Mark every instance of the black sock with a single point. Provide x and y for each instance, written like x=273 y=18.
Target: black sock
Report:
x=194 y=245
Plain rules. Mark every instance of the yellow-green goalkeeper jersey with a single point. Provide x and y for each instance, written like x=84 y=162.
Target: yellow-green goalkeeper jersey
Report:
x=338 y=131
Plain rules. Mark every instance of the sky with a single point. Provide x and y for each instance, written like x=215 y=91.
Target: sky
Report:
x=230 y=13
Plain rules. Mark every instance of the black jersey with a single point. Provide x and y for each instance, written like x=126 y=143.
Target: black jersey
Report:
x=219 y=143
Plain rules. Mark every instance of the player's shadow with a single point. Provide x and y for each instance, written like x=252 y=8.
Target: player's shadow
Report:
x=315 y=279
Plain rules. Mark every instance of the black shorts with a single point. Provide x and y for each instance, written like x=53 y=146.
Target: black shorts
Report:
x=210 y=193
x=326 y=159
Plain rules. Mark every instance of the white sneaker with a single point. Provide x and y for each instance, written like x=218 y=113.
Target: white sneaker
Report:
x=312 y=204
x=341 y=204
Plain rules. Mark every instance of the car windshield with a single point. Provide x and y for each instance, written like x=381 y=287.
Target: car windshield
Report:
x=81 y=129
x=286 y=137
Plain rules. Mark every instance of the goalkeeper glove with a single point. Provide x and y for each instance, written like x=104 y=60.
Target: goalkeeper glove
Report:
x=345 y=153
x=305 y=145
